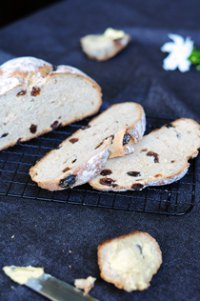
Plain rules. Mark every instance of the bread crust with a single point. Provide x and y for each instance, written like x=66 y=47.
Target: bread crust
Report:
x=105 y=277
x=28 y=71
x=164 y=180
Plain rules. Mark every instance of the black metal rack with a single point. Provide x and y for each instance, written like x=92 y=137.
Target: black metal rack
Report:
x=174 y=199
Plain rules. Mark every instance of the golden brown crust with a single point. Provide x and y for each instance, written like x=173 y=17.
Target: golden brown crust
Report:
x=118 y=284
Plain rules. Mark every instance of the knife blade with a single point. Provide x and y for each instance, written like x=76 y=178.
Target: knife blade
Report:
x=45 y=284
x=56 y=290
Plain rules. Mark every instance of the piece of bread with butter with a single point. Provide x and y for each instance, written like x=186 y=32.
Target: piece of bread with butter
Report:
x=129 y=261
x=102 y=47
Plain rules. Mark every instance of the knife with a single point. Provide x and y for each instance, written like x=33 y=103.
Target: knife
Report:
x=51 y=287
x=56 y=290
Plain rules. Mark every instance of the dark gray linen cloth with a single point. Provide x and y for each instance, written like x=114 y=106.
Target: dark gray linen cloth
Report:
x=64 y=238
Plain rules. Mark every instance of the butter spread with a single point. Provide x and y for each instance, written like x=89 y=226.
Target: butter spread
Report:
x=114 y=34
x=21 y=275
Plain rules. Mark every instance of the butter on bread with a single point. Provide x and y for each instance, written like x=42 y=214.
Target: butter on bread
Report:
x=102 y=47
x=129 y=261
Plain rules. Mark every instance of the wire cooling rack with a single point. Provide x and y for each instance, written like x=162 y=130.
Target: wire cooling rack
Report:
x=174 y=199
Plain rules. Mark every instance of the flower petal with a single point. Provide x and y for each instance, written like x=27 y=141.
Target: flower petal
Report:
x=170 y=63
x=176 y=38
x=184 y=66
x=167 y=47
x=189 y=44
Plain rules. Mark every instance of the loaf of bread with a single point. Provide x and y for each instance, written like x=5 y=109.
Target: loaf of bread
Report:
x=102 y=47
x=161 y=158
x=129 y=261
x=83 y=155
x=37 y=97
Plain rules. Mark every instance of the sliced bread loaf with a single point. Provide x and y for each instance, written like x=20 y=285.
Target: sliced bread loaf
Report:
x=129 y=261
x=161 y=158
x=82 y=156
x=36 y=98
x=104 y=46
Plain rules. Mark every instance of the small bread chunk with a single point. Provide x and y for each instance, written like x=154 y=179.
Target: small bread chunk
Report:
x=129 y=261
x=85 y=284
x=37 y=97
x=104 y=46
x=160 y=158
x=83 y=155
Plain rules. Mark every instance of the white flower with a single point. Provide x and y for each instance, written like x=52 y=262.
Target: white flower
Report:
x=179 y=52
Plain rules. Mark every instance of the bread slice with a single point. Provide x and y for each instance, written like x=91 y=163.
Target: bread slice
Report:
x=104 y=46
x=161 y=158
x=129 y=261
x=82 y=156
x=37 y=97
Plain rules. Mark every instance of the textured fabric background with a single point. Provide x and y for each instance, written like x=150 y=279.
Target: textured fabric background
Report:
x=64 y=238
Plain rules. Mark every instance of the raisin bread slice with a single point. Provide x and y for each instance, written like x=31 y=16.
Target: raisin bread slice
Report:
x=129 y=261
x=82 y=156
x=36 y=98
x=104 y=46
x=161 y=158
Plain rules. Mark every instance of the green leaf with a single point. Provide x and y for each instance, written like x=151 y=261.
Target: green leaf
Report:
x=195 y=57
x=198 y=67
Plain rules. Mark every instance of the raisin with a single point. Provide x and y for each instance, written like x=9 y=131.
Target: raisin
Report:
x=66 y=169
x=55 y=124
x=106 y=172
x=67 y=182
x=4 y=135
x=134 y=173
x=140 y=248
x=107 y=181
x=155 y=155
x=137 y=186
x=144 y=150
x=21 y=93
x=35 y=91
x=126 y=139
x=33 y=128
x=172 y=161
x=73 y=140
x=73 y=161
